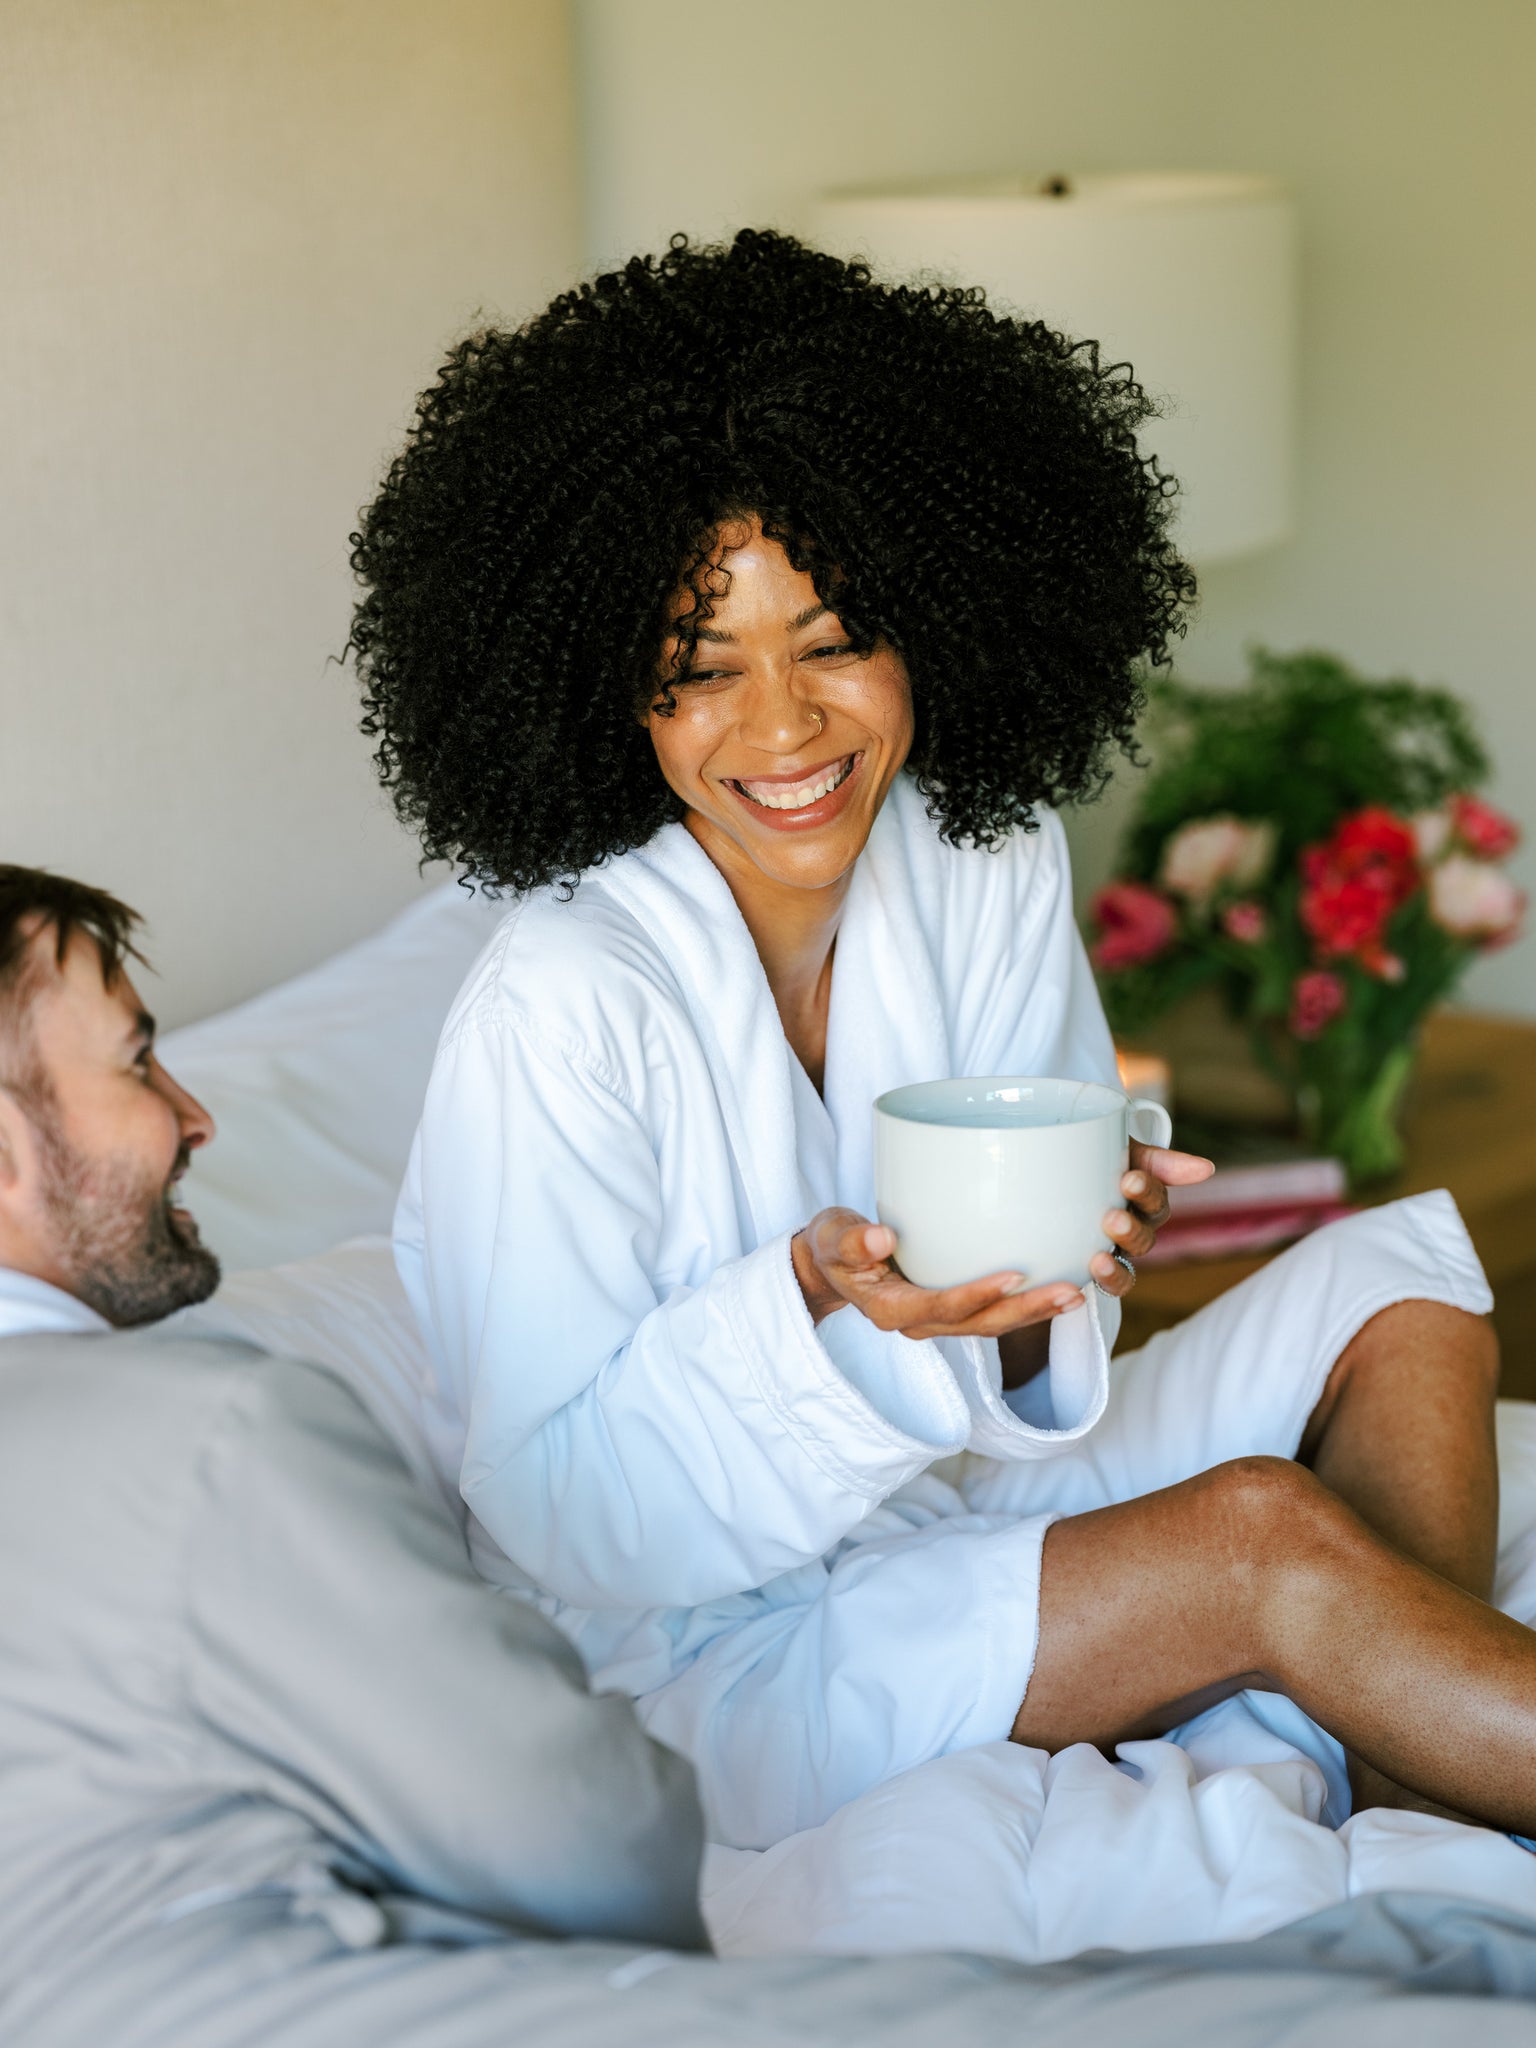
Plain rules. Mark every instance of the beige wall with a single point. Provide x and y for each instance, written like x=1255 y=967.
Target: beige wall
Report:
x=235 y=236
x=1405 y=130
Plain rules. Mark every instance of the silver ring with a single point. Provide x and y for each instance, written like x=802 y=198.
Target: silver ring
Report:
x=1123 y=1259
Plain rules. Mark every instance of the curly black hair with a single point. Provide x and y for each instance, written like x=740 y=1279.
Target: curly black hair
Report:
x=965 y=486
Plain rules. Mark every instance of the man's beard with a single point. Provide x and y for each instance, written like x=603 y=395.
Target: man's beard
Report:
x=122 y=1251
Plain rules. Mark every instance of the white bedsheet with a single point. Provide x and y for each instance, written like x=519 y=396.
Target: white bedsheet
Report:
x=317 y=1085
x=1007 y=1852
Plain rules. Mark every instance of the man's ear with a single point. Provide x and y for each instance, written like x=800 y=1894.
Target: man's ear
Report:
x=9 y=1161
x=18 y=1182
x=18 y=1145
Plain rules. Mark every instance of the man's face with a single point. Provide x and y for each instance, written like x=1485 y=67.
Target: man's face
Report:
x=97 y=1137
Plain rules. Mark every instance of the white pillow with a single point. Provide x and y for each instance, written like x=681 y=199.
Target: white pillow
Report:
x=317 y=1085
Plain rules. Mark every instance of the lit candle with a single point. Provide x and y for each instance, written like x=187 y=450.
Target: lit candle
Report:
x=1144 y=1074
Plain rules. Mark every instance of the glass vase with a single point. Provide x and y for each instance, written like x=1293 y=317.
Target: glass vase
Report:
x=1353 y=1109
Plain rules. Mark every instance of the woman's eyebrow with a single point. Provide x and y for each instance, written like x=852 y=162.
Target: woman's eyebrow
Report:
x=793 y=625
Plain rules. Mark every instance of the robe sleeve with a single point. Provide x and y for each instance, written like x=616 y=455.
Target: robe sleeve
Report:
x=440 y=1732
x=630 y=1444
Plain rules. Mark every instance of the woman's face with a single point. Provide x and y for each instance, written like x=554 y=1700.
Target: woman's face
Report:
x=785 y=740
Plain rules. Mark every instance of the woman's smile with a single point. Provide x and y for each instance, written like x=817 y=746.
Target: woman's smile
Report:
x=799 y=802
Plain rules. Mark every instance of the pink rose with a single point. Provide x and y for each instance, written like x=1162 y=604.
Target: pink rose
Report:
x=1483 y=830
x=1135 y=925
x=1474 y=900
x=1246 y=922
x=1384 y=965
x=1316 y=999
x=1210 y=853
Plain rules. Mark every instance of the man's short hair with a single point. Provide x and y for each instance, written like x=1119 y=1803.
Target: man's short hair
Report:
x=31 y=900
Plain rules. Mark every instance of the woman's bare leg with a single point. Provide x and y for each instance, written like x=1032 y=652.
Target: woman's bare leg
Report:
x=1405 y=1433
x=1254 y=1573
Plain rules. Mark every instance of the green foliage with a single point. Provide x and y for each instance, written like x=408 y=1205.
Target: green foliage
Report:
x=1306 y=741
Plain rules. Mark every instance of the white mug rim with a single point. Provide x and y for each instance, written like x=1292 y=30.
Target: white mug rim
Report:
x=1117 y=1101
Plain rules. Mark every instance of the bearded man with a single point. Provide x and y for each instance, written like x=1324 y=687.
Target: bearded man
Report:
x=251 y=1690
x=94 y=1134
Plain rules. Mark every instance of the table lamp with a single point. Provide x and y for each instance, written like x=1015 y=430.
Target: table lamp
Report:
x=1189 y=277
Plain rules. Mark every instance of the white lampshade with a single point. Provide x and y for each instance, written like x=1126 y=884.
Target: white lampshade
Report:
x=1188 y=277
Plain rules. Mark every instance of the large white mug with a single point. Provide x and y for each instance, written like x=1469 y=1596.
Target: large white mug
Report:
x=1006 y=1173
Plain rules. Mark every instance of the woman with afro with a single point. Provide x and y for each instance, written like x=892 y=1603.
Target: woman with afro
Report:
x=744 y=618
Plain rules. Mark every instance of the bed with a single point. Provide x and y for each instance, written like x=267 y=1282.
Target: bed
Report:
x=1222 y=1836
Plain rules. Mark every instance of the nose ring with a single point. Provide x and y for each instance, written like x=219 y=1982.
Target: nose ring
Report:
x=820 y=721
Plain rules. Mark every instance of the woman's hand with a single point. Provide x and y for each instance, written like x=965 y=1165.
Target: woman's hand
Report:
x=1153 y=1171
x=841 y=1257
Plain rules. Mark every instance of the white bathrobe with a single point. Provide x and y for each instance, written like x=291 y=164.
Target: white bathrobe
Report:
x=757 y=1527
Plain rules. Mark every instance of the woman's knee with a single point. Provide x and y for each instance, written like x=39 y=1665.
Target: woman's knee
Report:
x=1274 y=1516
x=1288 y=1552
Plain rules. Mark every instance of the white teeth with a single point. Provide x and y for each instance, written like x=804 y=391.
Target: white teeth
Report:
x=797 y=799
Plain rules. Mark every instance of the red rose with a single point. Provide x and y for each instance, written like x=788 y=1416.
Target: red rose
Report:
x=1483 y=830
x=1354 y=881
x=1374 y=837
x=1135 y=925
x=1346 y=913
x=1316 y=999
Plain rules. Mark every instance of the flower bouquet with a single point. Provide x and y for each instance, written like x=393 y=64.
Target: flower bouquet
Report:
x=1311 y=846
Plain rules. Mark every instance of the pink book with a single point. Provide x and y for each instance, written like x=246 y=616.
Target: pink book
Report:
x=1265 y=1184
x=1231 y=1233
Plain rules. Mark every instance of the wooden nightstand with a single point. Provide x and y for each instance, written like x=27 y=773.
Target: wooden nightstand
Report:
x=1471 y=1127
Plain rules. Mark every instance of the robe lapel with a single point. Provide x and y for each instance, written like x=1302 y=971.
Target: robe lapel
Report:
x=673 y=889
x=887 y=1024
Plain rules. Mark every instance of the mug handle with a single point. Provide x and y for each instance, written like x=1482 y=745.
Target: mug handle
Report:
x=1162 y=1122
